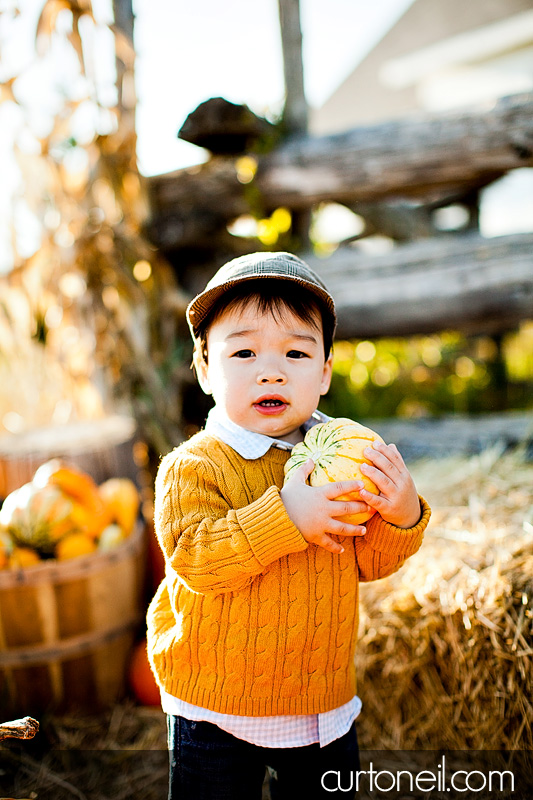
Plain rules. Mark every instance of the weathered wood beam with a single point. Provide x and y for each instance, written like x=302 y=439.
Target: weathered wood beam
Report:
x=465 y=283
x=420 y=158
x=415 y=156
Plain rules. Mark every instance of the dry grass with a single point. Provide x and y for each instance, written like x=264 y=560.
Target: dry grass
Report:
x=120 y=754
x=445 y=658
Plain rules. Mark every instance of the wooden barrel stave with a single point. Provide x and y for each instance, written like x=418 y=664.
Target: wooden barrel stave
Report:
x=66 y=629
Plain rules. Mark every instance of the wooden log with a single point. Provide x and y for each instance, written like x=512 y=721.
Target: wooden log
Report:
x=424 y=157
x=416 y=156
x=466 y=283
x=192 y=205
x=24 y=728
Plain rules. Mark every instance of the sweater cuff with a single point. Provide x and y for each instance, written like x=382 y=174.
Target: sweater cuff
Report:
x=403 y=542
x=269 y=529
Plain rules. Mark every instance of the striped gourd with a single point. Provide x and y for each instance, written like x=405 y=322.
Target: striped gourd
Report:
x=336 y=448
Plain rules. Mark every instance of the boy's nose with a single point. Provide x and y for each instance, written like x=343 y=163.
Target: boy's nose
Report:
x=271 y=375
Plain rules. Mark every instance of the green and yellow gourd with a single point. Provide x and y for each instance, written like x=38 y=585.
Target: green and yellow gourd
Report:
x=37 y=516
x=336 y=448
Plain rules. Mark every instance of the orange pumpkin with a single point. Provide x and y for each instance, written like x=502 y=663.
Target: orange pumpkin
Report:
x=336 y=448
x=121 y=499
x=141 y=678
x=88 y=513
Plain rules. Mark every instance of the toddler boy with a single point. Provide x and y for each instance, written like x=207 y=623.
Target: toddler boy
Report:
x=251 y=634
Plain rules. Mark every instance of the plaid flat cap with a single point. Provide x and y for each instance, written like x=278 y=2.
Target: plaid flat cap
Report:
x=280 y=265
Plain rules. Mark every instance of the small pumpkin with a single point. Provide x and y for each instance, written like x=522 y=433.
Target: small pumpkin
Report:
x=111 y=537
x=121 y=499
x=89 y=513
x=336 y=448
x=141 y=677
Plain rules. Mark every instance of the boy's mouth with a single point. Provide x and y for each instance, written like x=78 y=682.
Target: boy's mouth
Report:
x=270 y=405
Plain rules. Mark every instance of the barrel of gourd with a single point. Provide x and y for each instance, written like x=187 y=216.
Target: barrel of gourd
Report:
x=67 y=629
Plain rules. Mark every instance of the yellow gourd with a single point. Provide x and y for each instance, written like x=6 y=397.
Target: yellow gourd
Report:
x=336 y=448
x=111 y=537
x=23 y=557
x=6 y=546
x=74 y=545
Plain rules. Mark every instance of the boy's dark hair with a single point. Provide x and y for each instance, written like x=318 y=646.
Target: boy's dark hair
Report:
x=272 y=296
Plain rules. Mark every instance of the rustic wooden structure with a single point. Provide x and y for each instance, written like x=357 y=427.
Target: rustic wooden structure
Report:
x=441 y=156
x=468 y=283
x=394 y=174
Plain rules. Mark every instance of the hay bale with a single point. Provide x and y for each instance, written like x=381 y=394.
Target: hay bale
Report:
x=445 y=657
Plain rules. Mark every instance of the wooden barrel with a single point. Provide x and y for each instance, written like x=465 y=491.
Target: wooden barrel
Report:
x=101 y=447
x=67 y=629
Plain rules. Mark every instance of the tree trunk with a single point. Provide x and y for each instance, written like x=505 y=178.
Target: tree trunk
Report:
x=296 y=111
x=295 y=114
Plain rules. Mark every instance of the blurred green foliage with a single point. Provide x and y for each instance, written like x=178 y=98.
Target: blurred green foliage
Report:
x=432 y=375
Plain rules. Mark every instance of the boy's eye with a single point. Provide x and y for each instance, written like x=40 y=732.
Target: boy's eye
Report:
x=296 y=354
x=243 y=354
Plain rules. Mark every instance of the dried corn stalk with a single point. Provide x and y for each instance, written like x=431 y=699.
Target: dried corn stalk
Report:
x=93 y=316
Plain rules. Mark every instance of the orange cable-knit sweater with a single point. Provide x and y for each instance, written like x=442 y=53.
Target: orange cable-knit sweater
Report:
x=252 y=620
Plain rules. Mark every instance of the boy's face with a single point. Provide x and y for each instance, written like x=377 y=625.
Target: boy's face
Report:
x=267 y=374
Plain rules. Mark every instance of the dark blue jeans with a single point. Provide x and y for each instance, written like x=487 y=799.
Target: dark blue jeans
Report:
x=206 y=763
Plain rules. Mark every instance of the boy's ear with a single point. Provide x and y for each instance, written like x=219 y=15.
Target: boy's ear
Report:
x=326 y=375
x=200 y=367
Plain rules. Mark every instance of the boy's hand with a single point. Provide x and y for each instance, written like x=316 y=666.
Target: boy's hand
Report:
x=314 y=510
x=397 y=501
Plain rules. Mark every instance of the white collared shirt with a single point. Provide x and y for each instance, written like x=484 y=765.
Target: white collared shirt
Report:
x=274 y=731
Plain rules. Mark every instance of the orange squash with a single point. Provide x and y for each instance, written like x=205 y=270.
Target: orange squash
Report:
x=141 y=678
x=89 y=513
x=336 y=448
